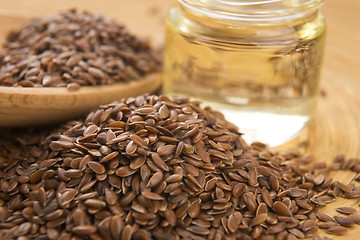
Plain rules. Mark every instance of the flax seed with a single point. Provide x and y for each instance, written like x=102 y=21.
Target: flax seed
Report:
x=337 y=230
x=282 y=209
x=346 y=210
x=96 y=167
x=84 y=229
x=151 y=195
x=155 y=180
x=346 y=222
x=134 y=171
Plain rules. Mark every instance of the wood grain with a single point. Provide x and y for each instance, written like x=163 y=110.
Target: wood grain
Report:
x=37 y=106
x=335 y=127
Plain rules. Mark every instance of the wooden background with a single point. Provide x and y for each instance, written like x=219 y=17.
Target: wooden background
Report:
x=335 y=127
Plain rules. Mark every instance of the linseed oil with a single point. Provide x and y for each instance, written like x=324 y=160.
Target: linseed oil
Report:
x=261 y=70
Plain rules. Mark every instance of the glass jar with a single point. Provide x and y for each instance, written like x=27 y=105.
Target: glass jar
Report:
x=257 y=61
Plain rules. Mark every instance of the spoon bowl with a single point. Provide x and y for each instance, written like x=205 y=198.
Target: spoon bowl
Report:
x=38 y=106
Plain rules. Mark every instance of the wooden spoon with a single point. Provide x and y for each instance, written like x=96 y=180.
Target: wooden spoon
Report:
x=36 y=106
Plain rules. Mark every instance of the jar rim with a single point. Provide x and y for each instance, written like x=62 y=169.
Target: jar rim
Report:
x=253 y=10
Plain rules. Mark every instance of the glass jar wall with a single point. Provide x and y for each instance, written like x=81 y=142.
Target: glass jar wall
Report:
x=258 y=62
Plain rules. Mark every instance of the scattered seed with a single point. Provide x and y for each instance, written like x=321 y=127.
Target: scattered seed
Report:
x=84 y=229
x=151 y=195
x=324 y=217
x=155 y=180
x=327 y=225
x=346 y=222
x=96 y=167
x=355 y=218
x=337 y=230
x=281 y=208
x=346 y=210
x=259 y=219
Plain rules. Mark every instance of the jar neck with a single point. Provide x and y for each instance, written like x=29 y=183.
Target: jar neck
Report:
x=253 y=10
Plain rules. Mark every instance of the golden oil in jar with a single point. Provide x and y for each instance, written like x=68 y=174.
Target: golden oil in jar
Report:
x=258 y=62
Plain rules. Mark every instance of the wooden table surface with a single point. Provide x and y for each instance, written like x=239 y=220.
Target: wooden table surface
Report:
x=335 y=127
